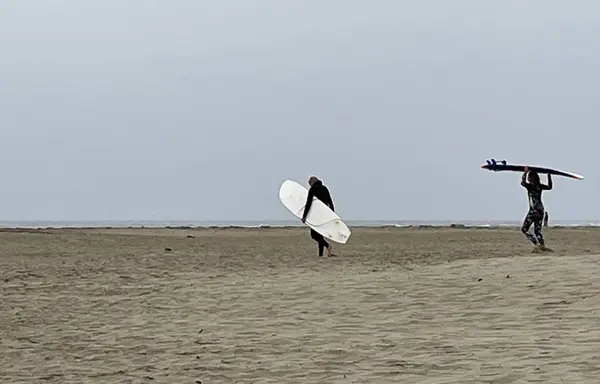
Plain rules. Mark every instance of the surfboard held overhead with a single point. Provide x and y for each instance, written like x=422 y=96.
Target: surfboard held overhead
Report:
x=499 y=166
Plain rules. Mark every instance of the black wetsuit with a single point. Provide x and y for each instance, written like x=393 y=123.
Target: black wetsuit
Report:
x=535 y=215
x=321 y=192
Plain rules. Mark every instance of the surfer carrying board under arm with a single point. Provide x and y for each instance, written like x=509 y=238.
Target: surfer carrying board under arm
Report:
x=531 y=182
x=318 y=190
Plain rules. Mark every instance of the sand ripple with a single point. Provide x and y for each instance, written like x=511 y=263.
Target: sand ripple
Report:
x=108 y=308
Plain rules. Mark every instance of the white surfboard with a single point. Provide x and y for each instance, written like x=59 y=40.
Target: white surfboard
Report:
x=320 y=217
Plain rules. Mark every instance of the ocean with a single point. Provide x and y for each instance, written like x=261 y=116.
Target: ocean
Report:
x=275 y=223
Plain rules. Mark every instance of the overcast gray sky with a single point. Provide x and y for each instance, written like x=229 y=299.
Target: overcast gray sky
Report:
x=192 y=109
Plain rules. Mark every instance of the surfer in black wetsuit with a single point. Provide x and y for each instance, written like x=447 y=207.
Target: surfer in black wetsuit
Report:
x=535 y=216
x=318 y=190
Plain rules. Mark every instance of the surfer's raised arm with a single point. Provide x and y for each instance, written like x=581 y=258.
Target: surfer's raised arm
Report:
x=524 y=182
x=549 y=186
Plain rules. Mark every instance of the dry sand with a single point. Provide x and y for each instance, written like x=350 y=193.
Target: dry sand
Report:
x=256 y=306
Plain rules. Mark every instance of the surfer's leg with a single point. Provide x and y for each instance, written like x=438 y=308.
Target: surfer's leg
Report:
x=537 y=230
x=326 y=246
x=322 y=244
x=525 y=228
x=316 y=236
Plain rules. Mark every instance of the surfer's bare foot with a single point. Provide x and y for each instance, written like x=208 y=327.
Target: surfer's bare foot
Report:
x=330 y=252
x=543 y=248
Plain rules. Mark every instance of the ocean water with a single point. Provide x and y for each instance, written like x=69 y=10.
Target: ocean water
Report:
x=274 y=223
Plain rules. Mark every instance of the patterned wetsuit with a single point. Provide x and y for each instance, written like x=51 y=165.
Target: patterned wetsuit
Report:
x=535 y=215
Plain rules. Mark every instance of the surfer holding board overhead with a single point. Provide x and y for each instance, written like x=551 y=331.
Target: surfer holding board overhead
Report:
x=531 y=182
x=319 y=191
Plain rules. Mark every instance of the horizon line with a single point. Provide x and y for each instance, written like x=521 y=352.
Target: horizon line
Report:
x=277 y=220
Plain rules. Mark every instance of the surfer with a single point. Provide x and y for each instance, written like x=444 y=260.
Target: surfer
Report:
x=531 y=182
x=320 y=191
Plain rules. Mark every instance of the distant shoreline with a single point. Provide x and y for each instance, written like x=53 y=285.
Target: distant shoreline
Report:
x=214 y=224
x=280 y=227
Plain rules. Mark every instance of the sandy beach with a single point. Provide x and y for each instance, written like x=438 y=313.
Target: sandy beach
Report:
x=398 y=305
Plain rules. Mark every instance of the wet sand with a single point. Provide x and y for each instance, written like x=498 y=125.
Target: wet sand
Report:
x=256 y=306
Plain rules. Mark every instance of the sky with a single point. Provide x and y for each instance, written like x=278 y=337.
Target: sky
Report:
x=199 y=110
